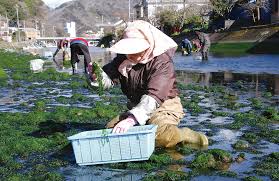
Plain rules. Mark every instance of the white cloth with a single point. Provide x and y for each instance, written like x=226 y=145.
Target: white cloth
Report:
x=106 y=81
x=158 y=41
x=143 y=110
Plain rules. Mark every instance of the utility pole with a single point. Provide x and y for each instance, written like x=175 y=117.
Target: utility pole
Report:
x=129 y=10
x=53 y=29
x=7 y=21
x=42 y=30
x=17 y=22
x=36 y=24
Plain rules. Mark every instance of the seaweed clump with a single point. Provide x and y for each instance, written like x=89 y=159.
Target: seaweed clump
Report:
x=269 y=166
x=212 y=159
x=98 y=72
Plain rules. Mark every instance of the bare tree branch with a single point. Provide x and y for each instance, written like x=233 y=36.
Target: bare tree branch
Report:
x=222 y=7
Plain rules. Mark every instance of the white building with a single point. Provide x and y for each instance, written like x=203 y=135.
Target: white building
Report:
x=71 y=29
x=148 y=8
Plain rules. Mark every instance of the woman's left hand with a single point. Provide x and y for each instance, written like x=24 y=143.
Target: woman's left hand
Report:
x=124 y=125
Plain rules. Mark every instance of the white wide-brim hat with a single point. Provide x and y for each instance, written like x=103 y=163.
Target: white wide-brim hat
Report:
x=130 y=46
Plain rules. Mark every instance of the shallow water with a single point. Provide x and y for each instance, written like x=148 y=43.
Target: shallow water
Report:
x=98 y=173
x=255 y=64
x=243 y=76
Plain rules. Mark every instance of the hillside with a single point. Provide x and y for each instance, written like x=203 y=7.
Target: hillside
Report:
x=28 y=10
x=87 y=13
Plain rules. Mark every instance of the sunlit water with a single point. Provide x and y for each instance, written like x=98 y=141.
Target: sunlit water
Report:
x=254 y=64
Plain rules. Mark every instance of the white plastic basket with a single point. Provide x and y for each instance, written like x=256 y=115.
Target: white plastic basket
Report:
x=101 y=146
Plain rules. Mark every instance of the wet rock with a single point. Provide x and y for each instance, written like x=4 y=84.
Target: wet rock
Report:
x=204 y=160
x=271 y=113
x=240 y=157
x=250 y=137
x=241 y=145
x=215 y=159
x=251 y=178
x=221 y=155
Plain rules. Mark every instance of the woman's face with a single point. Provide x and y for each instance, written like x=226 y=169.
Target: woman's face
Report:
x=135 y=58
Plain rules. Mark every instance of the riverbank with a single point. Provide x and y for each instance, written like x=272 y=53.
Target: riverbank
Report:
x=253 y=40
x=231 y=49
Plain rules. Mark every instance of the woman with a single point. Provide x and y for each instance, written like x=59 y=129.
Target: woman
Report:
x=205 y=44
x=146 y=73
x=61 y=45
x=79 y=46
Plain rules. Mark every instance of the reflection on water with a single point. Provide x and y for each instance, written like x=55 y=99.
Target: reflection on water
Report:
x=246 y=64
x=92 y=173
x=256 y=82
x=214 y=178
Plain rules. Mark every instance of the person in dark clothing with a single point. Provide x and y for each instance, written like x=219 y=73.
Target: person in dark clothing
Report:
x=205 y=44
x=61 y=44
x=145 y=70
x=79 y=46
x=186 y=47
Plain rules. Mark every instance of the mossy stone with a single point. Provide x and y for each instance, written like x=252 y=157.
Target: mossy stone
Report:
x=204 y=160
x=241 y=145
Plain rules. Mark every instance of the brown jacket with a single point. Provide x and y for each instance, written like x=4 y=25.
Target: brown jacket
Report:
x=155 y=78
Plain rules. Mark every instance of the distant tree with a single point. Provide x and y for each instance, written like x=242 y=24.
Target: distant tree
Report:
x=34 y=7
x=166 y=19
x=188 y=12
x=171 y=20
x=222 y=7
x=8 y=7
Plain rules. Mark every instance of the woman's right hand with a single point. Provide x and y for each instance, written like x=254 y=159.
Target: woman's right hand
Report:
x=92 y=75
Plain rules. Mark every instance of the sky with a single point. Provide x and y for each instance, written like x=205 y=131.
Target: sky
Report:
x=54 y=3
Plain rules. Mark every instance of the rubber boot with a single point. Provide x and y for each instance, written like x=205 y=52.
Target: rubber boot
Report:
x=189 y=136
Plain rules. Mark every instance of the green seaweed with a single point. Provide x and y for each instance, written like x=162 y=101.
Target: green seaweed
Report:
x=222 y=114
x=212 y=159
x=167 y=176
x=98 y=71
x=269 y=166
x=221 y=155
x=184 y=149
x=3 y=77
x=156 y=161
x=256 y=103
x=240 y=145
x=250 y=137
x=227 y=174
x=251 y=178
x=204 y=160
x=271 y=113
